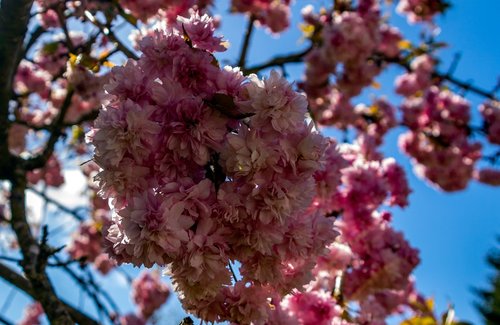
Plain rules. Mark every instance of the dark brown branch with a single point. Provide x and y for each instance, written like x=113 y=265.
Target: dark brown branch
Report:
x=90 y=290
x=278 y=61
x=62 y=21
x=14 y=16
x=34 y=36
x=104 y=293
x=465 y=85
x=34 y=255
x=246 y=42
x=10 y=259
x=20 y=282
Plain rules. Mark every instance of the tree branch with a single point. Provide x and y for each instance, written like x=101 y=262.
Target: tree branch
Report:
x=278 y=61
x=34 y=255
x=91 y=290
x=17 y=280
x=465 y=85
x=14 y=16
x=246 y=42
x=109 y=33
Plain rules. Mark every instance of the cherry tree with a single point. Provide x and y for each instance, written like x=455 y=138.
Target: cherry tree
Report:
x=220 y=175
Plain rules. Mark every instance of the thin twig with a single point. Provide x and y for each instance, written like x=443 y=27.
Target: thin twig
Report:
x=109 y=33
x=20 y=282
x=102 y=310
x=10 y=259
x=104 y=293
x=454 y=64
x=278 y=61
x=62 y=21
x=34 y=255
x=246 y=42
x=232 y=271
x=60 y=206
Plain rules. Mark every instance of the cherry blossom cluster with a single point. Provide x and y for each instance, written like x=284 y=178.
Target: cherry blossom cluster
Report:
x=490 y=112
x=491 y=115
x=275 y=15
x=205 y=167
x=87 y=243
x=370 y=262
x=347 y=42
x=438 y=138
x=55 y=78
x=50 y=12
x=374 y=121
x=50 y=174
x=222 y=179
x=419 y=79
x=168 y=8
x=421 y=10
x=488 y=176
x=149 y=293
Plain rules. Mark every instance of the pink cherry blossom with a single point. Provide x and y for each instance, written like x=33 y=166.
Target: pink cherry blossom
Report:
x=149 y=293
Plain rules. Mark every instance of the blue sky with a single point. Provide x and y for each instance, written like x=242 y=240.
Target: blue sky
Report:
x=453 y=231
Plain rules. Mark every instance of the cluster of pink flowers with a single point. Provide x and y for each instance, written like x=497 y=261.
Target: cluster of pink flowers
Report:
x=370 y=262
x=346 y=45
x=169 y=9
x=355 y=184
x=419 y=79
x=43 y=86
x=48 y=17
x=376 y=120
x=275 y=15
x=488 y=176
x=491 y=115
x=30 y=78
x=53 y=55
x=149 y=293
x=50 y=174
x=203 y=167
x=87 y=243
x=311 y=307
x=143 y=10
x=438 y=138
x=421 y=10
